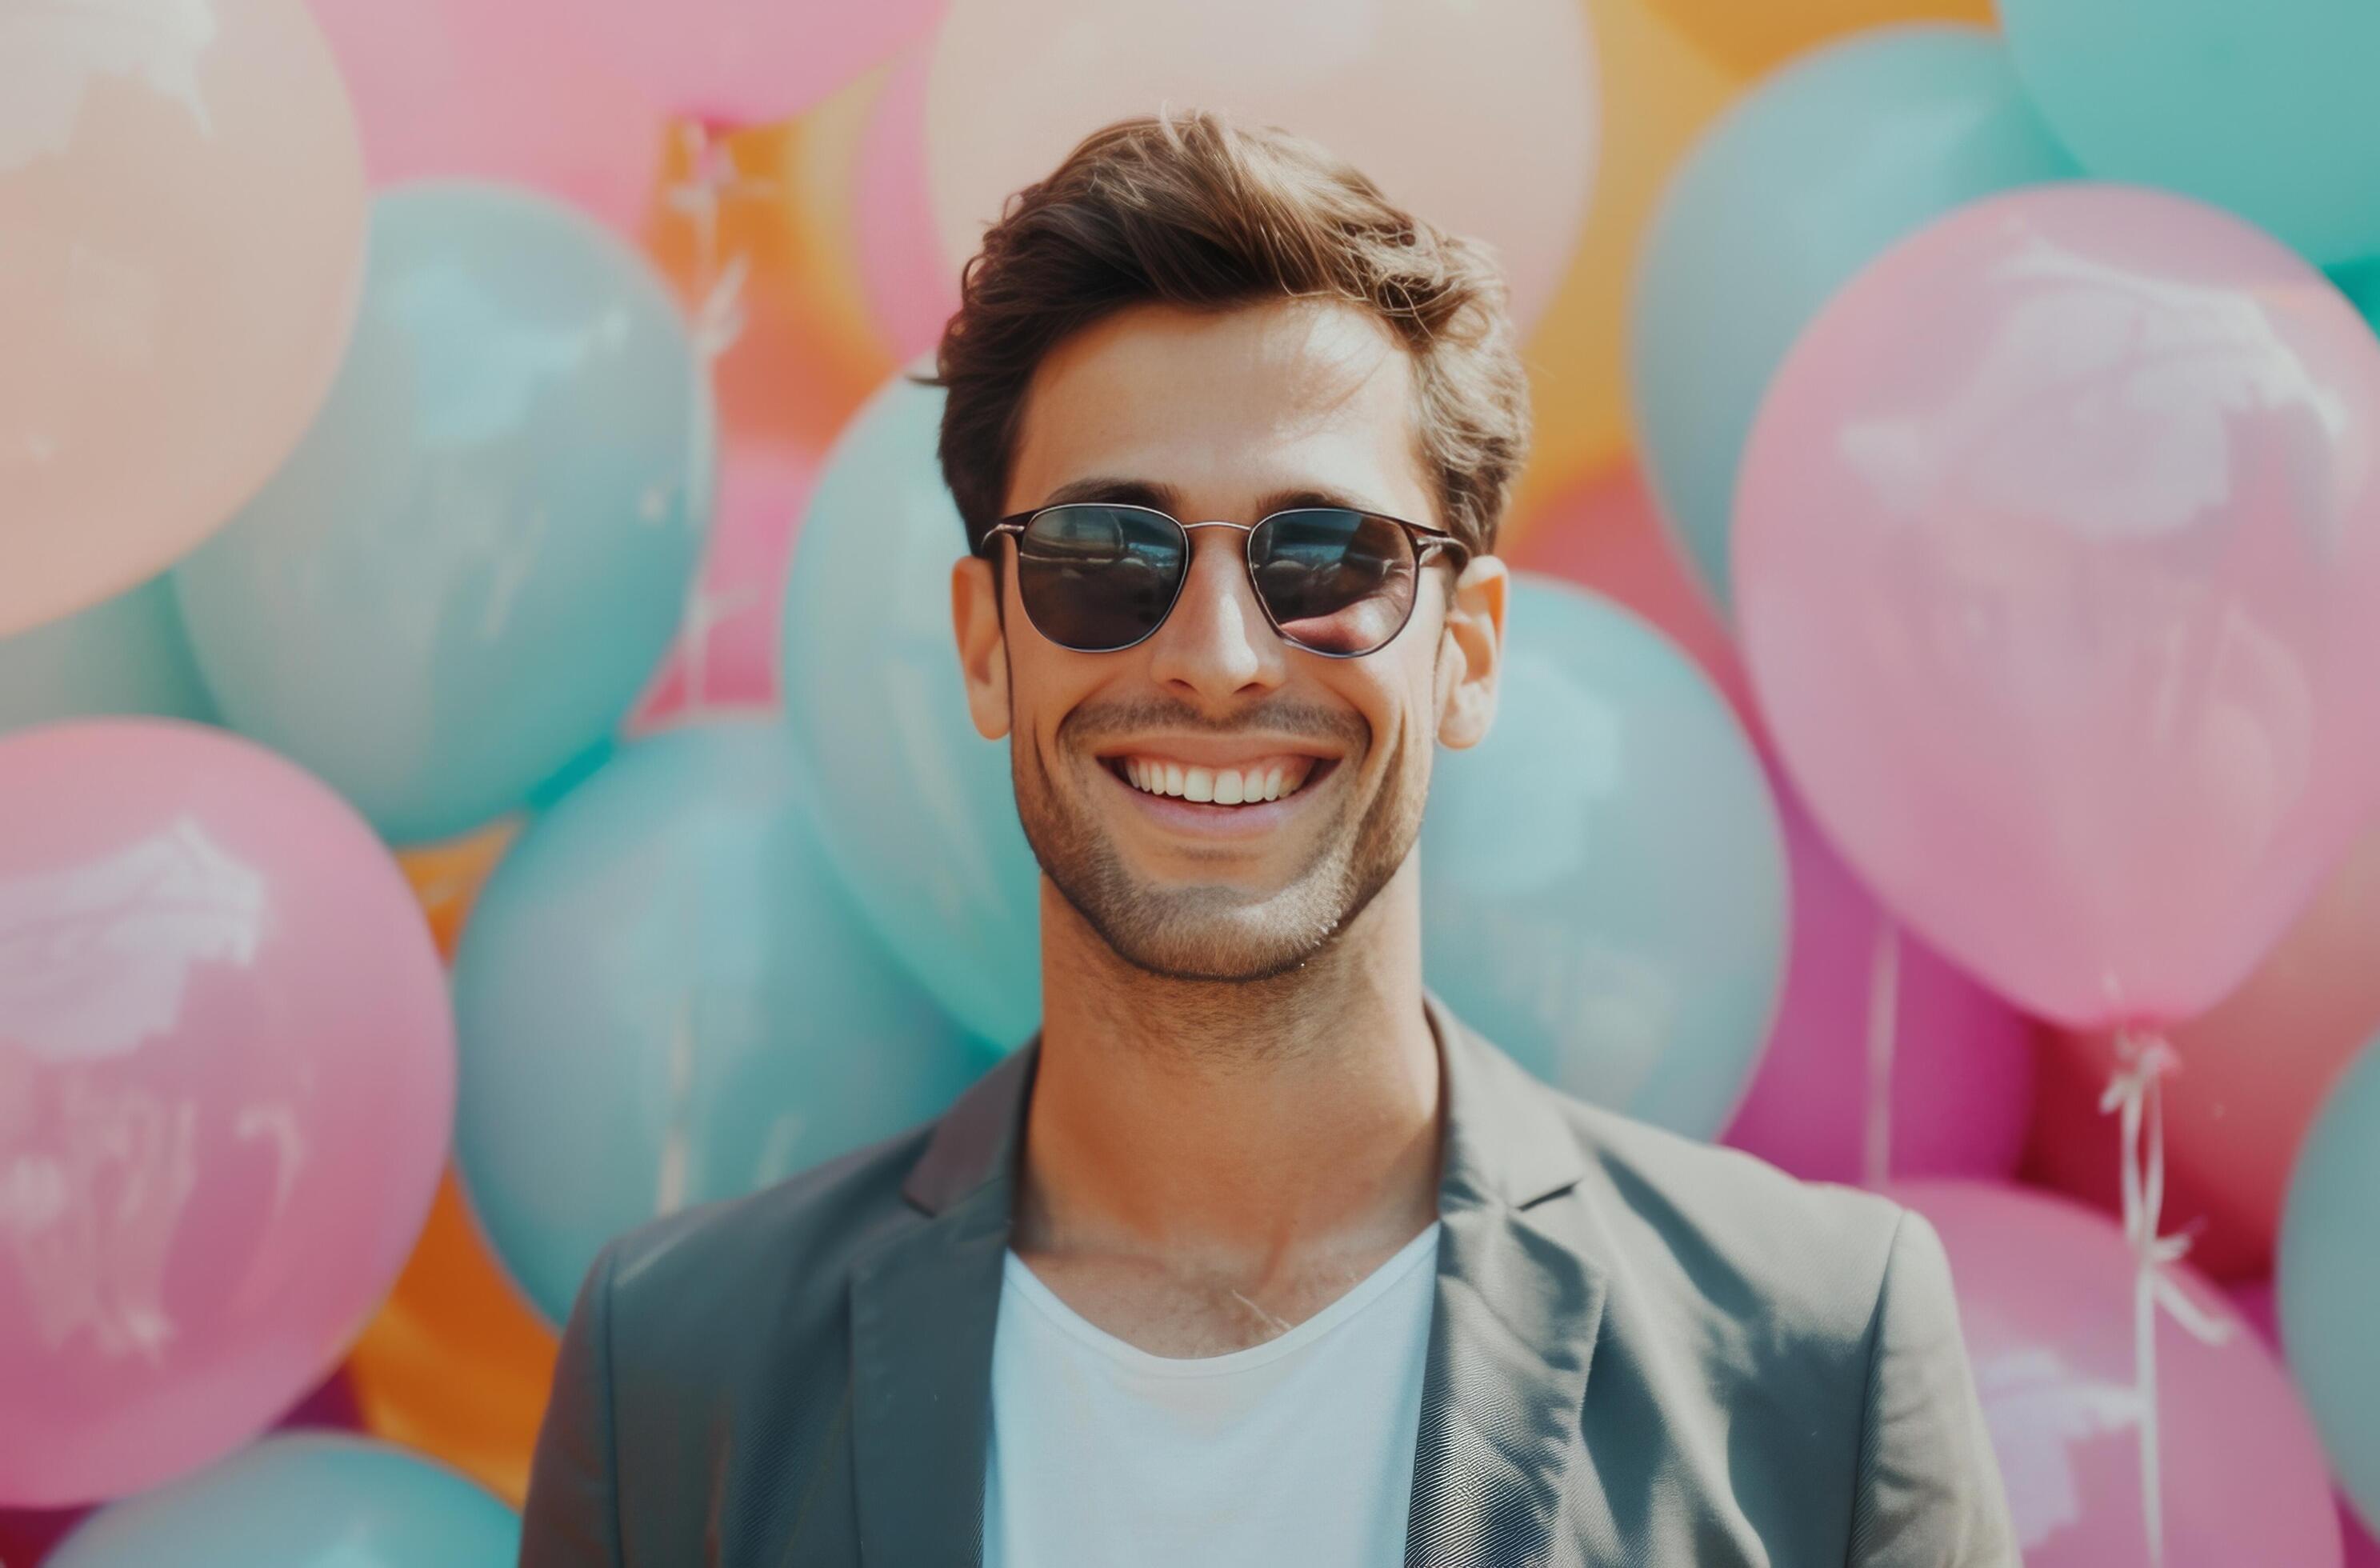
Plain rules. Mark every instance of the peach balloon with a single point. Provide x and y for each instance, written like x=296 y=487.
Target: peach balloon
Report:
x=1481 y=119
x=181 y=241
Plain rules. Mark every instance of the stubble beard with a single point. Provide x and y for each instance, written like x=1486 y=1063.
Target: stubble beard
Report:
x=1215 y=933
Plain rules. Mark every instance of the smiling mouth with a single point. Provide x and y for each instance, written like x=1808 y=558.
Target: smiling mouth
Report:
x=1247 y=783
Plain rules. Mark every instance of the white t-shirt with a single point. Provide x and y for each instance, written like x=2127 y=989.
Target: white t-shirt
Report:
x=1296 y=1450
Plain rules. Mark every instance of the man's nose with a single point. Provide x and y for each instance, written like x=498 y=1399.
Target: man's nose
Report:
x=1217 y=644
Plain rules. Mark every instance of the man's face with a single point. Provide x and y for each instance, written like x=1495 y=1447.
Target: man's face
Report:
x=1220 y=417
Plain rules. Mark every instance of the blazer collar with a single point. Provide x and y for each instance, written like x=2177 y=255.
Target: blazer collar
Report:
x=1518 y=1303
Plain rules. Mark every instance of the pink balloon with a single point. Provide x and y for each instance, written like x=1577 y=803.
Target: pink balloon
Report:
x=227 y=1085
x=731 y=62
x=2256 y=1305
x=2045 y=1304
x=911 y=289
x=2058 y=554
x=726 y=649
x=1481 y=118
x=2255 y=1070
x=1961 y=1064
x=181 y=242
x=1962 y=1059
x=439 y=95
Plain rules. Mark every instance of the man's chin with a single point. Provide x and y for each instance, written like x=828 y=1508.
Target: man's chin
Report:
x=1206 y=934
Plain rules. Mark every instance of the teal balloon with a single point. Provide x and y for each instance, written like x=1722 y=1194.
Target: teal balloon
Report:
x=920 y=809
x=2263 y=106
x=1604 y=886
x=2328 y=1277
x=464 y=576
x=2361 y=286
x=312 y=1500
x=663 y=997
x=1807 y=178
x=124 y=655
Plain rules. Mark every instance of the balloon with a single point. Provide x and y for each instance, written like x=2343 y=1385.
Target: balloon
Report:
x=315 y=1500
x=469 y=569
x=1482 y=119
x=126 y=655
x=456 y=1364
x=1657 y=91
x=2328 y=1277
x=726 y=652
x=1751 y=36
x=1606 y=882
x=2264 y=110
x=182 y=215
x=2255 y=1070
x=447 y=877
x=437 y=97
x=1963 y=1070
x=1602 y=533
x=2057 y=567
x=28 y=1534
x=1962 y=1063
x=1800 y=183
x=759 y=218
x=912 y=291
x=735 y=62
x=663 y=998
x=920 y=811
x=227 y=1079
x=2257 y=1305
x=2045 y=1293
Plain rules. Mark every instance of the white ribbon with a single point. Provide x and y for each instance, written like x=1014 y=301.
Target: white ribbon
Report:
x=2134 y=1091
x=1882 y=1029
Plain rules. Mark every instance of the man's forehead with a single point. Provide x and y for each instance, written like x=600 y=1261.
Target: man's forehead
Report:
x=1285 y=395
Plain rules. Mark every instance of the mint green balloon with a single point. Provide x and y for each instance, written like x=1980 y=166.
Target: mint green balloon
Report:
x=663 y=997
x=1811 y=175
x=2328 y=1277
x=311 y=1500
x=2263 y=106
x=124 y=655
x=464 y=575
x=1603 y=877
x=920 y=810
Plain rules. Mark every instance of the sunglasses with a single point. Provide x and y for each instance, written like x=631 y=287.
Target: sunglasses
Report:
x=1099 y=578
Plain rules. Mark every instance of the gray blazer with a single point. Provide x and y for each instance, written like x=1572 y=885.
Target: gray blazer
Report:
x=1645 y=1350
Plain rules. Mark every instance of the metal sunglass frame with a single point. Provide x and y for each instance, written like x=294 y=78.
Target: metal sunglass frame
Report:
x=1424 y=541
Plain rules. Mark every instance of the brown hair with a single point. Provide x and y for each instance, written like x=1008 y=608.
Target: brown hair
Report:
x=1191 y=209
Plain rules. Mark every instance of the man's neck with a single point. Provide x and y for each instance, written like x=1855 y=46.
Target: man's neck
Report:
x=1234 y=1128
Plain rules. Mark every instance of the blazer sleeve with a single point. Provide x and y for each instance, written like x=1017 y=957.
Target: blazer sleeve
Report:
x=571 y=1519
x=1928 y=1490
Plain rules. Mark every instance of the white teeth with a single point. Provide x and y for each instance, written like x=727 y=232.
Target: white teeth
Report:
x=1223 y=786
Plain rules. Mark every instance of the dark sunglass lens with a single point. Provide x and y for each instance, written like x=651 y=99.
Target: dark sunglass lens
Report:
x=1337 y=582
x=1095 y=578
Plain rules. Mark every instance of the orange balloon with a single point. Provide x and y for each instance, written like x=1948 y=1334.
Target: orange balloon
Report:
x=1750 y=36
x=1658 y=91
x=447 y=877
x=805 y=356
x=456 y=1363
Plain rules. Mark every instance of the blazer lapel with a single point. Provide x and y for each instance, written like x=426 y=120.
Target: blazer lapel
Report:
x=1519 y=1304
x=924 y=1305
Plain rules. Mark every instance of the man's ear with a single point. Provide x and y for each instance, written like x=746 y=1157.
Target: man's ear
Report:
x=1471 y=652
x=983 y=653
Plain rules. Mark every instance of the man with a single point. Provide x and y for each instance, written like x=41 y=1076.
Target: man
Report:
x=1255 y=1254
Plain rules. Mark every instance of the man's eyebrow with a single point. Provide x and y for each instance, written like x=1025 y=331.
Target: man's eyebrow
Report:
x=1118 y=490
